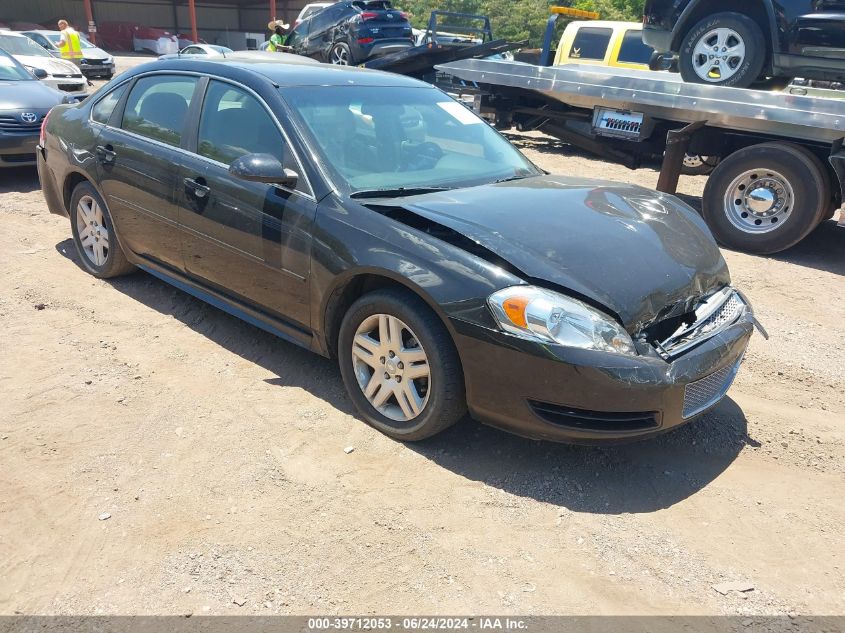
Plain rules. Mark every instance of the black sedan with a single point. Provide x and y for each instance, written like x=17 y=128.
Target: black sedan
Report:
x=369 y=217
x=24 y=102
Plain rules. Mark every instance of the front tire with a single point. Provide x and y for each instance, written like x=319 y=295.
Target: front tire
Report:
x=400 y=366
x=765 y=198
x=93 y=234
x=725 y=49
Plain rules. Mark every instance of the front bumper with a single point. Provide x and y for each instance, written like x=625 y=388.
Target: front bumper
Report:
x=95 y=69
x=580 y=396
x=17 y=150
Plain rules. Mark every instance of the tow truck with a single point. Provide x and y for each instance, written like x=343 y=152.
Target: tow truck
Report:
x=781 y=162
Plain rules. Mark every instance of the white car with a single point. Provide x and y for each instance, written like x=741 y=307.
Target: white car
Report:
x=310 y=9
x=95 y=61
x=200 y=51
x=57 y=73
x=209 y=50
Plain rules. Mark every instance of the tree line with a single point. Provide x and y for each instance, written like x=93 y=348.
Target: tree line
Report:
x=519 y=19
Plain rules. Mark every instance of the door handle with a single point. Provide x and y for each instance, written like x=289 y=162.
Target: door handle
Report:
x=106 y=153
x=198 y=186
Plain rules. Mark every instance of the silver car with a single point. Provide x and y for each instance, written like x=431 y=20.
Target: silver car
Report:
x=57 y=73
x=95 y=61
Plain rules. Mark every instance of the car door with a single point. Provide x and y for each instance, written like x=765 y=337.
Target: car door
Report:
x=819 y=29
x=136 y=153
x=248 y=240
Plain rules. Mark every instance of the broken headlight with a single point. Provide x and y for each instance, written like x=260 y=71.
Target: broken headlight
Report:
x=550 y=317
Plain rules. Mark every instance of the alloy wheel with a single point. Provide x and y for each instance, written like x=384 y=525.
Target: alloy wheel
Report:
x=391 y=367
x=340 y=56
x=93 y=234
x=718 y=55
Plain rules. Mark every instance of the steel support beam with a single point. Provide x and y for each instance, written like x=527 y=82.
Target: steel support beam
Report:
x=89 y=16
x=192 y=11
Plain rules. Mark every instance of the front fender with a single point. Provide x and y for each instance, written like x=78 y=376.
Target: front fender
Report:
x=351 y=241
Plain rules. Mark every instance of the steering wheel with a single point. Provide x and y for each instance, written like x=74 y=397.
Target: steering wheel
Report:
x=419 y=156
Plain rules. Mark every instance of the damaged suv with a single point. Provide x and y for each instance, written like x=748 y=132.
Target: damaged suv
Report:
x=369 y=217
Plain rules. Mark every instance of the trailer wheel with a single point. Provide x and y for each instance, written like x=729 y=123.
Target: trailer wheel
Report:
x=725 y=49
x=766 y=198
x=698 y=165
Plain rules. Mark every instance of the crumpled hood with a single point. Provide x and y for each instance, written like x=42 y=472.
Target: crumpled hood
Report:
x=52 y=65
x=637 y=252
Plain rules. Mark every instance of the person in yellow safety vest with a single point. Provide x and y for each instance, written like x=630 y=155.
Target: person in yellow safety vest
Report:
x=69 y=46
x=277 y=40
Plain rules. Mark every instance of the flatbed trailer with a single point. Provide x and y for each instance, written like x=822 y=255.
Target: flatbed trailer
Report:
x=781 y=163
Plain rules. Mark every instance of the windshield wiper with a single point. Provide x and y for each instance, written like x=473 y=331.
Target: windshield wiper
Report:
x=510 y=178
x=396 y=193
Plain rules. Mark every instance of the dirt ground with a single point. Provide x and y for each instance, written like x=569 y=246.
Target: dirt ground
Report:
x=158 y=456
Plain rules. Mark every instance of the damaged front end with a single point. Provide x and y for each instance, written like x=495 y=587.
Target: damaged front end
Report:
x=712 y=315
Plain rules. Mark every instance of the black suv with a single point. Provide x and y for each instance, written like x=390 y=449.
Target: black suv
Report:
x=352 y=31
x=738 y=42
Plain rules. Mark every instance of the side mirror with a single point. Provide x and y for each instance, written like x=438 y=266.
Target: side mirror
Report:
x=263 y=168
x=39 y=73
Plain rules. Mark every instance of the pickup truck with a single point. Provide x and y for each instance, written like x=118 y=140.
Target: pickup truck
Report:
x=740 y=42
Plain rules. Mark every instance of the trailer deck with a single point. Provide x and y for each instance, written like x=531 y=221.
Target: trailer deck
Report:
x=664 y=95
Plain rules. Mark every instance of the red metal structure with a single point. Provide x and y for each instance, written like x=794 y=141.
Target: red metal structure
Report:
x=192 y=13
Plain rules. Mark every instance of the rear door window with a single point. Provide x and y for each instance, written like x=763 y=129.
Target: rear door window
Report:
x=590 y=43
x=102 y=110
x=633 y=49
x=157 y=107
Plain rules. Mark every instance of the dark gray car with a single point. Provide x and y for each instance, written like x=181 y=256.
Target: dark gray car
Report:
x=24 y=102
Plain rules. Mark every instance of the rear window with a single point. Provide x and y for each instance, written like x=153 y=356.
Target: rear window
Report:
x=157 y=107
x=590 y=43
x=373 y=4
x=633 y=49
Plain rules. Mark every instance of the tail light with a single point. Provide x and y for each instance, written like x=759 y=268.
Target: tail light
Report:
x=403 y=15
x=41 y=137
x=365 y=40
x=368 y=15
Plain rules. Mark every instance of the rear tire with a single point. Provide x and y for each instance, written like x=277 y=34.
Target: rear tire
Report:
x=724 y=49
x=93 y=233
x=341 y=55
x=392 y=346
x=765 y=198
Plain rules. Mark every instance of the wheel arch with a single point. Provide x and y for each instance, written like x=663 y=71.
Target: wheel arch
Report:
x=71 y=181
x=355 y=284
x=761 y=11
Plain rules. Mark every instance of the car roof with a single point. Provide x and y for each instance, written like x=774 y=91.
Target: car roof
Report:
x=285 y=69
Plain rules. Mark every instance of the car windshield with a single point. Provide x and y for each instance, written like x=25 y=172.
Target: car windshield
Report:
x=21 y=45
x=220 y=49
x=392 y=139
x=56 y=38
x=10 y=71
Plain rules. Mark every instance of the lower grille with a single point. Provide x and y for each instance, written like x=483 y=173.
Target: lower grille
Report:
x=594 y=420
x=13 y=125
x=704 y=393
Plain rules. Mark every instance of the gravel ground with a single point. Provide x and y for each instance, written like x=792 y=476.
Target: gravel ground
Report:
x=159 y=456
